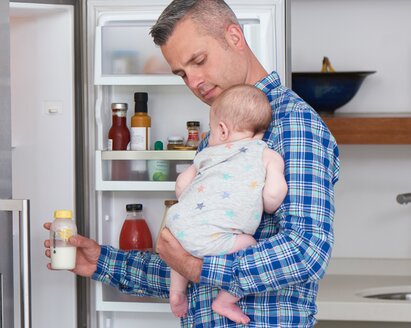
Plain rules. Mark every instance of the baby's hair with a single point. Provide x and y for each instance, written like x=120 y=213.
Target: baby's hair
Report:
x=243 y=108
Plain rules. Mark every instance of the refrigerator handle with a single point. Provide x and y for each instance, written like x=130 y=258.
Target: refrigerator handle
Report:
x=23 y=207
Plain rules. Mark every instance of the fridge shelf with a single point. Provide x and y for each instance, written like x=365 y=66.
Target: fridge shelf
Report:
x=135 y=185
x=111 y=299
x=104 y=182
x=148 y=155
x=142 y=79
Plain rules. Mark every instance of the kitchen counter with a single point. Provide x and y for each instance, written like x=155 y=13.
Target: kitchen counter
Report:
x=339 y=296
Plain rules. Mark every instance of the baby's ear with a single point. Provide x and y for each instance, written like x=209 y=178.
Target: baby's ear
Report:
x=223 y=131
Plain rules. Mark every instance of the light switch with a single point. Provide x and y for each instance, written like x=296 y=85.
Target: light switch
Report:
x=53 y=107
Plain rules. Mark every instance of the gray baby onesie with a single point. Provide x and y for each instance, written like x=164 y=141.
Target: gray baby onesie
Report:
x=223 y=200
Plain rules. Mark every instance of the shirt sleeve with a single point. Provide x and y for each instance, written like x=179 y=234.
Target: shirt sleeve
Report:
x=300 y=248
x=133 y=272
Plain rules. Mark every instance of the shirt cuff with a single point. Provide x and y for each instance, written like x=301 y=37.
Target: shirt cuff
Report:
x=105 y=265
x=221 y=272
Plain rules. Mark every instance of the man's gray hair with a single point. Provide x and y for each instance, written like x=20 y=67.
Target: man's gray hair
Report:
x=213 y=16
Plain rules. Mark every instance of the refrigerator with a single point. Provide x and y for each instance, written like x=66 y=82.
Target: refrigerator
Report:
x=69 y=61
x=118 y=31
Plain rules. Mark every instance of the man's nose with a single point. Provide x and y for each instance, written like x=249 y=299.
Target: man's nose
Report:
x=193 y=80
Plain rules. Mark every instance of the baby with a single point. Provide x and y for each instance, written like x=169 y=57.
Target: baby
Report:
x=221 y=196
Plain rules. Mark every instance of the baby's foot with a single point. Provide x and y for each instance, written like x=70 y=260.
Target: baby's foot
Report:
x=178 y=303
x=231 y=311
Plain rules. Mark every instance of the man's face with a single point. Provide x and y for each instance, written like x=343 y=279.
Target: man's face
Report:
x=206 y=65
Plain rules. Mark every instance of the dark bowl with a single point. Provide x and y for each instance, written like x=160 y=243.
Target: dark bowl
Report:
x=325 y=92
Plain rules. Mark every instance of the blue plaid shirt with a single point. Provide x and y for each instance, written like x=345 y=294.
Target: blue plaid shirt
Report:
x=277 y=279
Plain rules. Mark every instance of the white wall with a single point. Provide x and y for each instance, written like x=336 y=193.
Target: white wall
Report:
x=358 y=35
x=364 y=35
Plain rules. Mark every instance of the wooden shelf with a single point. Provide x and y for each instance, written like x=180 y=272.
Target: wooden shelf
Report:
x=367 y=129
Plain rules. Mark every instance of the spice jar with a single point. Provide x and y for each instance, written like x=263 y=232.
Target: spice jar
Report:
x=167 y=204
x=135 y=233
x=193 y=130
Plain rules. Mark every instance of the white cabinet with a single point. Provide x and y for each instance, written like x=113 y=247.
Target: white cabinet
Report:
x=122 y=60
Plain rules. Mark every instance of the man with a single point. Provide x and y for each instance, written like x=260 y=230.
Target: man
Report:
x=277 y=279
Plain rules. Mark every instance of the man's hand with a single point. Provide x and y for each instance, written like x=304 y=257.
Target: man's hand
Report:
x=177 y=258
x=88 y=252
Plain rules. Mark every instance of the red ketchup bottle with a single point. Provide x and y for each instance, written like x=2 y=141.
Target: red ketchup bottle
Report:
x=135 y=234
x=119 y=139
x=119 y=134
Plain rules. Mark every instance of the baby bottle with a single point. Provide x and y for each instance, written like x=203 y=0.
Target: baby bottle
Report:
x=63 y=255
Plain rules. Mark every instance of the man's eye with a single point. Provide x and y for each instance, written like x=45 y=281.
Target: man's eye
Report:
x=200 y=60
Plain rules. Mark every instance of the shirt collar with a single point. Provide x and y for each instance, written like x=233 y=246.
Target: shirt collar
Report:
x=270 y=82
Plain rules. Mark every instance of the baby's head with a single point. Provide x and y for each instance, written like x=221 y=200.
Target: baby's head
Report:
x=241 y=111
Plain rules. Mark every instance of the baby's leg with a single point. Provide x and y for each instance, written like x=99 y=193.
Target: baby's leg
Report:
x=178 y=294
x=225 y=303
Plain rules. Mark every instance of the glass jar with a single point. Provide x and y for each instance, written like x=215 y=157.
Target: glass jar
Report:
x=174 y=142
x=167 y=204
x=135 y=234
x=193 y=130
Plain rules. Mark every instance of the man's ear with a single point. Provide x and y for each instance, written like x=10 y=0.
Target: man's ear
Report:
x=223 y=131
x=234 y=36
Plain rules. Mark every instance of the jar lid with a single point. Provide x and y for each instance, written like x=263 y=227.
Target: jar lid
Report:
x=63 y=214
x=175 y=139
x=169 y=202
x=134 y=207
x=158 y=145
x=119 y=106
x=193 y=123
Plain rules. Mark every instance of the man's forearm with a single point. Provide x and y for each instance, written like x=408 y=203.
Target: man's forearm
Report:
x=134 y=272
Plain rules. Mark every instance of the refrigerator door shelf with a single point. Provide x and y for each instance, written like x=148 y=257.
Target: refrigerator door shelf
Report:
x=148 y=155
x=109 y=299
x=125 y=161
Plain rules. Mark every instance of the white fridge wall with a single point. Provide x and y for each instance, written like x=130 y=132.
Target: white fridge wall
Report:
x=43 y=154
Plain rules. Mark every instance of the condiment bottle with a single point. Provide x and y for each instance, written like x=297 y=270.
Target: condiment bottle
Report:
x=135 y=233
x=140 y=123
x=140 y=135
x=167 y=204
x=118 y=135
x=158 y=169
x=63 y=254
x=193 y=129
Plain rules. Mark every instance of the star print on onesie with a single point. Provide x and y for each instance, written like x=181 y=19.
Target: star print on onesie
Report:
x=223 y=200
